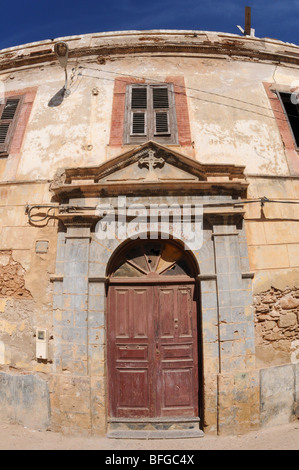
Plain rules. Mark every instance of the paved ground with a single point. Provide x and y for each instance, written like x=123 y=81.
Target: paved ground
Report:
x=16 y=437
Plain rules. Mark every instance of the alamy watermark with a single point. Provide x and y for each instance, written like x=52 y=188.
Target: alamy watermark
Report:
x=182 y=222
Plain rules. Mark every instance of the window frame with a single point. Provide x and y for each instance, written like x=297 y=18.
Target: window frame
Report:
x=279 y=93
x=171 y=137
x=5 y=146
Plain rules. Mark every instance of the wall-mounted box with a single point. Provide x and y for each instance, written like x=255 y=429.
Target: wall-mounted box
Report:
x=41 y=246
x=42 y=340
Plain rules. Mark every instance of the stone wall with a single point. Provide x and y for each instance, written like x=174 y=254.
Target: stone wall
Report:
x=25 y=400
x=279 y=394
x=16 y=305
x=12 y=282
x=277 y=324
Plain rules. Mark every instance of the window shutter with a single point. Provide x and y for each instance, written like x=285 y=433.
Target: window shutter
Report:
x=138 y=124
x=138 y=103
x=3 y=132
x=161 y=123
x=139 y=98
x=150 y=114
x=7 y=120
x=161 y=103
x=160 y=97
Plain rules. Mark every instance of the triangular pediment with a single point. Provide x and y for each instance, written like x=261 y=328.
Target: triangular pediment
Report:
x=148 y=167
x=150 y=163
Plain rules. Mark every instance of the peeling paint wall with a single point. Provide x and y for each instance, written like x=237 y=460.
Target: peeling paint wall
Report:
x=12 y=277
x=231 y=119
x=24 y=400
x=25 y=287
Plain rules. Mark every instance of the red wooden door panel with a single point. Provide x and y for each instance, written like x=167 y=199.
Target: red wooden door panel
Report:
x=130 y=311
x=152 y=351
x=176 y=351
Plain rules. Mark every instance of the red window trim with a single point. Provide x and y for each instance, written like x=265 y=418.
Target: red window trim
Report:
x=284 y=129
x=118 y=110
x=28 y=96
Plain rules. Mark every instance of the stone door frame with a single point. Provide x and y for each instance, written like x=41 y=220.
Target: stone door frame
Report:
x=80 y=298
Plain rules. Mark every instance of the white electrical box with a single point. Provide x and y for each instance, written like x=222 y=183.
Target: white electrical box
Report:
x=42 y=340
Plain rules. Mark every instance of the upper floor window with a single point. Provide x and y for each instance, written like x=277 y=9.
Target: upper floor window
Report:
x=150 y=114
x=8 y=117
x=292 y=113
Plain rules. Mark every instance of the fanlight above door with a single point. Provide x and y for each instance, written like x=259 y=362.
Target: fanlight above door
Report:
x=153 y=258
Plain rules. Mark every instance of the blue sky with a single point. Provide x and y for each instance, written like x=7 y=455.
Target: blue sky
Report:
x=26 y=21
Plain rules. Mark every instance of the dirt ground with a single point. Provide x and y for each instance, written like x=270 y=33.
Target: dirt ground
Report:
x=17 y=437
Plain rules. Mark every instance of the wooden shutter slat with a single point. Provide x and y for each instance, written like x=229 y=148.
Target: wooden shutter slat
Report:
x=150 y=114
x=139 y=98
x=10 y=109
x=3 y=132
x=7 y=122
x=160 y=98
x=138 y=124
x=161 y=123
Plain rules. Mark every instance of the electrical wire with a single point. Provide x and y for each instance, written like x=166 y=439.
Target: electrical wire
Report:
x=136 y=77
x=35 y=218
x=70 y=208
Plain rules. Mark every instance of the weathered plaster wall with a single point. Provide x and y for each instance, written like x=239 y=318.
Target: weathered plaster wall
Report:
x=273 y=227
x=273 y=246
x=25 y=400
x=230 y=115
x=25 y=287
x=279 y=395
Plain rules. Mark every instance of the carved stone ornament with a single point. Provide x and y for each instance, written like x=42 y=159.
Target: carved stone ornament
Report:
x=151 y=162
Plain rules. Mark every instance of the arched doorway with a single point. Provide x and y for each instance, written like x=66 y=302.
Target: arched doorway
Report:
x=152 y=335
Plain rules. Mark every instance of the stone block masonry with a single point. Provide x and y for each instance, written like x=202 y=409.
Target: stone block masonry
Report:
x=77 y=388
x=16 y=305
x=12 y=282
x=276 y=324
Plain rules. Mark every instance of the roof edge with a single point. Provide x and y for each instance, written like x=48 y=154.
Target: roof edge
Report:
x=165 y=41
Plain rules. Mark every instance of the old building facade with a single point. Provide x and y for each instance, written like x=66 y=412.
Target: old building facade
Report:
x=113 y=319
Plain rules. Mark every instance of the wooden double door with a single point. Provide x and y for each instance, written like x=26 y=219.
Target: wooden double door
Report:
x=152 y=349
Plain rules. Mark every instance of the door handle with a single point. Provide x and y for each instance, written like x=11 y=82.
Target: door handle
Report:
x=157 y=348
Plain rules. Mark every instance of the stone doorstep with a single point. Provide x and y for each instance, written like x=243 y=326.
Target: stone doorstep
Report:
x=154 y=428
x=175 y=434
